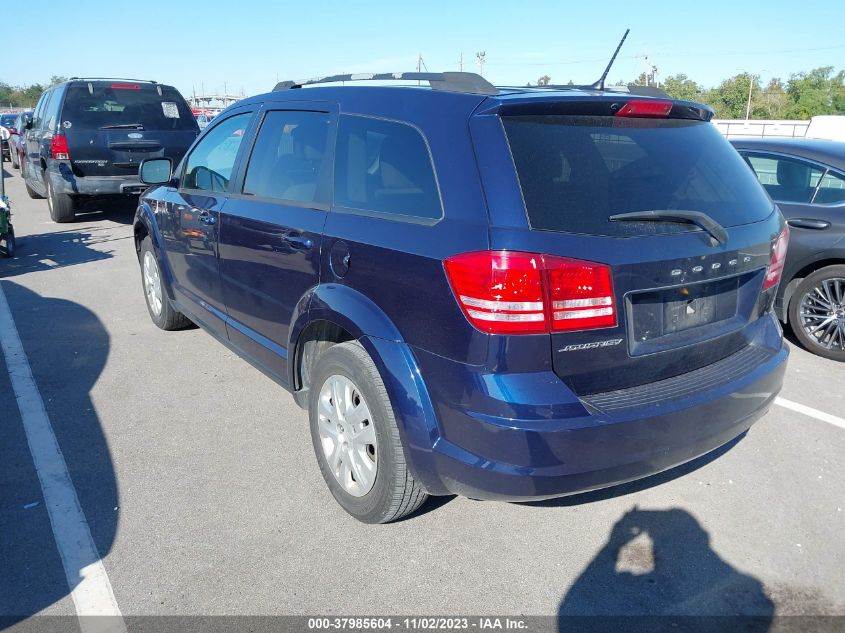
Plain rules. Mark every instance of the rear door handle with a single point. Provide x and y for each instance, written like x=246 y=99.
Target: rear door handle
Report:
x=808 y=223
x=298 y=242
x=204 y=216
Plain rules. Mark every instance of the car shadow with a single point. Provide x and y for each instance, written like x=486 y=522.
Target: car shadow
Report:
x=47 y=251
x=118 y=210
x=67 y=348
x=658 y=572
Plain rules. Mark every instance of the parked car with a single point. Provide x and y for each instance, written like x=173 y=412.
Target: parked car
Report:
x=513 y=294
x=7 y=121
x=88 y=136
x=16 y=146
x=806 y=178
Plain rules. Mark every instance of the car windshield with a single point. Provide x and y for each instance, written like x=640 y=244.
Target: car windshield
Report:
x=102 y=106
x=577 y=171
x=8 y=119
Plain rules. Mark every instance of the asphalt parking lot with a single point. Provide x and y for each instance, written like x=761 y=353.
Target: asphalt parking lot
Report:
x=196 y=478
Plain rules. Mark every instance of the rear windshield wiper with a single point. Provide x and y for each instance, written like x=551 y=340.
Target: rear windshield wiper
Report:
x=123 y=126
x=716 y=230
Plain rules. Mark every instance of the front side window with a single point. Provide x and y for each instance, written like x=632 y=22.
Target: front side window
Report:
x=288 y=158
x=831 y=190
x=384 y=167
x=786 y=179
x=210 y=165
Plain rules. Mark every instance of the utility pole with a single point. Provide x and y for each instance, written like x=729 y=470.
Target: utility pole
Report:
x=748 y=105
x=461 y=65
x=480 y=57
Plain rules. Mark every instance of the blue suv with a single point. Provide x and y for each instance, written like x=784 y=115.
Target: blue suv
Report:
x=503 y=293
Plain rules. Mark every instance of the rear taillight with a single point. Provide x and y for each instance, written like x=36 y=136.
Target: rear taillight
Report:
x=58 y=147
x=646 y=108
x=775 y=269
x=507 y=292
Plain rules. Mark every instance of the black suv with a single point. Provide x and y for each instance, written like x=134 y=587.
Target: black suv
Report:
x=88 y=136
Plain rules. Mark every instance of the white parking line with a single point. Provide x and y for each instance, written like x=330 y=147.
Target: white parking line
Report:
x=86 y=576
x=810 y=411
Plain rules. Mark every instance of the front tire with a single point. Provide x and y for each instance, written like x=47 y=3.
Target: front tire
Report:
x=356 y=439
x=817 y=312
x=161 y=311
x=61 y=205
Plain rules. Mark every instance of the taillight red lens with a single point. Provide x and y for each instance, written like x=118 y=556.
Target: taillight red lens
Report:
x=58 y=147
x=581 y=294
x=775 y=269
x=125 y=87
x=507 y=292
x=647 y=108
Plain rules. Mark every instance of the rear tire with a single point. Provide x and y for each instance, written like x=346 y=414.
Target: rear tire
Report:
x=353 y=427
x=819 y=297
x=162 y=312
x=62 y=206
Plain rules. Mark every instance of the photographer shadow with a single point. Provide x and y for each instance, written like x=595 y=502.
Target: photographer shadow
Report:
x=67 y=348
x=659 y=563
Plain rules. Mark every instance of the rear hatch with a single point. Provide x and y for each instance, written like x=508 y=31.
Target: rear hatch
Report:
x=112 y=126
x=655 y=297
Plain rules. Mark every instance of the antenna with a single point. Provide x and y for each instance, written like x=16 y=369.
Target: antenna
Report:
x=599 y=85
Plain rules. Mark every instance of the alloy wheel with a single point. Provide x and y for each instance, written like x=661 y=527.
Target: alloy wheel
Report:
x=822 y=314
x=152 y=283
x=347 y=435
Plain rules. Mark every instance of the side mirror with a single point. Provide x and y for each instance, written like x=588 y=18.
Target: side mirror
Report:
x=155 y=171
x=28 y=123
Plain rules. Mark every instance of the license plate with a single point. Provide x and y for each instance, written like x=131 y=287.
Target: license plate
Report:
x=671 y=310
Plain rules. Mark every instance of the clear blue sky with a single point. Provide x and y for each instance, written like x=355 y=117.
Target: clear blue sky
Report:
x=246 y=44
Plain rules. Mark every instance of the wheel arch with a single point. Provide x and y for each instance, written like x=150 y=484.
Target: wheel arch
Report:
x=343 y=314
x=818 y=261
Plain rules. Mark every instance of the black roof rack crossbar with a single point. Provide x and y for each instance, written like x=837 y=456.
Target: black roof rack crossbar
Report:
x=448 y=81
x=146 y=81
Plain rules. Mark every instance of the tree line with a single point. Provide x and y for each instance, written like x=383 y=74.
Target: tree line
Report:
x=24 y=96
x=801 y=96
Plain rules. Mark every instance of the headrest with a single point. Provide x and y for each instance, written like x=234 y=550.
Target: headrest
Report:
x=399 y=167
x=793 y=175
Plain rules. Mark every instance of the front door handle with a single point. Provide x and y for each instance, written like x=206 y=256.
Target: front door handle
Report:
x=205 y=216
x=808 y=223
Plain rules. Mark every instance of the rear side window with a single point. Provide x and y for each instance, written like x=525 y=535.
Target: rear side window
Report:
x=287 y=160
x=38 y=115
x=831 y=189
x=786 y=179
x=384 y=167
x=209 y=166
x=576 y=171
x=98 y=106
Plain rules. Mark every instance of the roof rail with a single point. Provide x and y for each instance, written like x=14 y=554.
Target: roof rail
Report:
x=448 y=81
x=146 y=81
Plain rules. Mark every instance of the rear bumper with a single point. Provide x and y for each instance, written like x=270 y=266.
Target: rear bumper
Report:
x=64 y=180
x=576 y=445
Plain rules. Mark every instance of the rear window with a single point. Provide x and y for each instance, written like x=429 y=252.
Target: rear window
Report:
x=576 y=171
x=100 y=106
